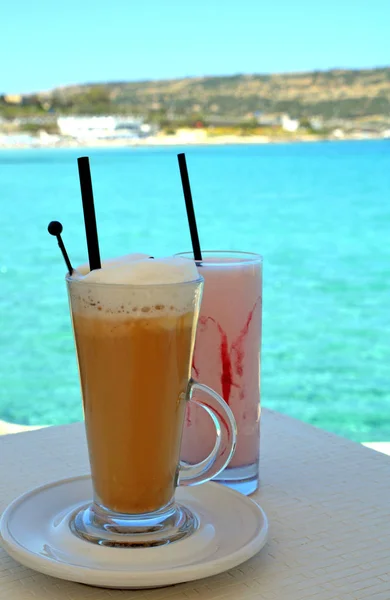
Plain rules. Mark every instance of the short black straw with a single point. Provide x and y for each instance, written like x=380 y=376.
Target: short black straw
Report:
x=189 y=206
x=55 y=228
x=89 y=213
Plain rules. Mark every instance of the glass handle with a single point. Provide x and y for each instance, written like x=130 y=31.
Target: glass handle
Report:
x=225 y=443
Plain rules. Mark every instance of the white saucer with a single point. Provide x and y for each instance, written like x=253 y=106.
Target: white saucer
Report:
x=35 y=531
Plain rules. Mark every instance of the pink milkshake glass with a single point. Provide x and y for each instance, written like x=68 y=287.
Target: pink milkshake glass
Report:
x=227 y=359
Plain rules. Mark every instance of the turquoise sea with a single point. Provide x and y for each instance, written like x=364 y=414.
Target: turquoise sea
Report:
x=319 y=213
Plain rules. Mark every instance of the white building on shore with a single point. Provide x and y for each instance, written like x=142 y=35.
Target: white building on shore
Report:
x=102 y=127
x=289 y=124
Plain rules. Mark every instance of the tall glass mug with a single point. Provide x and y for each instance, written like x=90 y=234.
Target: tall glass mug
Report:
x=227 y=358
x=135 y=347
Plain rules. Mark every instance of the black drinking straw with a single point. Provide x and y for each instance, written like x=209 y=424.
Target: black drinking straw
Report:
x=89 y=213
x=55 y=228
x=185 y=181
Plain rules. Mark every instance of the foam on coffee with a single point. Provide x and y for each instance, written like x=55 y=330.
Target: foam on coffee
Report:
x=151 y=296
x=112 y=262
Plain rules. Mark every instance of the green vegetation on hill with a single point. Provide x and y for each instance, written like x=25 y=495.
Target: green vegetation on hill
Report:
x=335 y=94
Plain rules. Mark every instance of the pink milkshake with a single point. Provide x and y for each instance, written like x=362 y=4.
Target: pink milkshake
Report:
x=227 y=359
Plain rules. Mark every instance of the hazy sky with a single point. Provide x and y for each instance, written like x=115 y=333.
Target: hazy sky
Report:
x=44 y=44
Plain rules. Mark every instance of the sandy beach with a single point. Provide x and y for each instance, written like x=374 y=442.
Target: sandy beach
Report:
x=182 y=137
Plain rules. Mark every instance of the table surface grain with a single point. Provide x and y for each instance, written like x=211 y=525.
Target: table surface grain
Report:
x=327 y=500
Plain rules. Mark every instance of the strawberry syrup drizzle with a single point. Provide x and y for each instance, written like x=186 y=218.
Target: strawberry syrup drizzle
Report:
x=237 y=346
x=226 y=362
x=226 y=375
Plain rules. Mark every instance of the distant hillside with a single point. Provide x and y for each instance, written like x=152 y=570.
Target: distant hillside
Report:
x=335 y=94
x=330 y=94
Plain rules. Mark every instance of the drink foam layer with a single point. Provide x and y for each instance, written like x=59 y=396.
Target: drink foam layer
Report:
x=135 y=286
x=113 y=262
